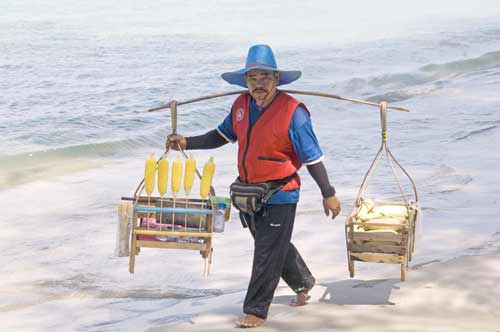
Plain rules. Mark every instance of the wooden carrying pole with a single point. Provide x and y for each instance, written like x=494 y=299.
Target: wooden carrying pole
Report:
x=307 y=93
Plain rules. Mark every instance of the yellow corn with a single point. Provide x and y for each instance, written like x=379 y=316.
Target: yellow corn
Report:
x=162 y=176
x=176 y=175
x=149 y=174
x=207 y=177
x=189 y=174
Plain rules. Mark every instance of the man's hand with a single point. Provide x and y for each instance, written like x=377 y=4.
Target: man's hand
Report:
x=174 y=141
x=331 y=204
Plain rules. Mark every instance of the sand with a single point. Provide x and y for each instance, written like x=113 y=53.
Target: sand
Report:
x=457 y=295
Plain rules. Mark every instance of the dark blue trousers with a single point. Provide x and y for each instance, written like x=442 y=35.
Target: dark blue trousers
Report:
x=274 y=257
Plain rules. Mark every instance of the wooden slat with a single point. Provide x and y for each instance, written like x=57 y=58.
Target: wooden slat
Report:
x=151 y=209
x=386 y=225
x=378 y=236
x=374 y=248
x=172 y=245
x=154 y=199
x=379 y=244
x=378 y=258
x=171 y=233
x=378 y=203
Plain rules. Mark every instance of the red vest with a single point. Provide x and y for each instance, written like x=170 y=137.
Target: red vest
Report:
x=265 y=152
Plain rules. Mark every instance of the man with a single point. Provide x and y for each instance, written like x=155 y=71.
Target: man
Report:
x=275 y=137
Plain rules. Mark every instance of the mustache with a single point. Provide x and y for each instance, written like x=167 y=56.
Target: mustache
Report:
x=259 y=89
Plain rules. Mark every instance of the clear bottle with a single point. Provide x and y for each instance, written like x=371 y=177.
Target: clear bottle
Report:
x=219 y=218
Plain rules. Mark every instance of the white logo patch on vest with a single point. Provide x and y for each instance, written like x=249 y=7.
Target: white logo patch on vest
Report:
x=239 y=114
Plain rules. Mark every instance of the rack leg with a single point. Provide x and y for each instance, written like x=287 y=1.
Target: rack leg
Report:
x=351 y=267
x=413 y=228
x=205 y=273
x=133 y=252
x=403 y=271
x=410 y=250
x=413 y=237
x=210 y=260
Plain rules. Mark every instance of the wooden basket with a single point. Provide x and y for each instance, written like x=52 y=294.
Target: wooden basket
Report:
x=391 y=243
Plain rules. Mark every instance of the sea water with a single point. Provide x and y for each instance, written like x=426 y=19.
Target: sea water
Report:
x=75 y=83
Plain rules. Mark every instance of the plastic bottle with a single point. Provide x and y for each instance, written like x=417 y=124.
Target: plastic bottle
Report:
x=219 y=218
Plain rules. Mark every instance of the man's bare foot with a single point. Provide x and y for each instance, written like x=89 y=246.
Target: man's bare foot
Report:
x=250 y=321
x=300 y=300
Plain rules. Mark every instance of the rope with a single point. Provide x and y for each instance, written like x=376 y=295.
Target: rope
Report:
x=173 y=110
x=407 y=175
x=367 y=174
x=387 y=152
x=384 y=147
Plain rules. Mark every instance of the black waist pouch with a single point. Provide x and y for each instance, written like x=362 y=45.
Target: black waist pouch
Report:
x=250 y=198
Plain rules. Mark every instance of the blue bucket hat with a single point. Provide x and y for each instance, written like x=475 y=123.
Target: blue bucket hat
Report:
x=260 y=57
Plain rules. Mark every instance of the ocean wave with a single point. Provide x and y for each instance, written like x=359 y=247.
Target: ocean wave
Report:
x=27 y=167
x=475 y=132
x=444 y=180
x=485 y=61
x=400 y=95
x=424 y=81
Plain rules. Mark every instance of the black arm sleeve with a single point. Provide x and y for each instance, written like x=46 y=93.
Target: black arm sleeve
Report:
x=209 y=140
x=318 y=173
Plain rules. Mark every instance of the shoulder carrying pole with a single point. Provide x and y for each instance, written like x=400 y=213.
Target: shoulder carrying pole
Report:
x=307 y=93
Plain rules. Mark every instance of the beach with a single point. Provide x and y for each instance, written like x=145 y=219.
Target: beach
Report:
x=457 y=295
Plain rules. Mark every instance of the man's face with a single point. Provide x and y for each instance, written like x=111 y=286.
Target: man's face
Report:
x=261 y=82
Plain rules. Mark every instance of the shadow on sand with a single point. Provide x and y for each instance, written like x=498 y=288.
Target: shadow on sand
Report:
x=353 y=292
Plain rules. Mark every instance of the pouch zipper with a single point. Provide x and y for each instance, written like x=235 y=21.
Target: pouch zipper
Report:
x=271 y=159
x=243 y=158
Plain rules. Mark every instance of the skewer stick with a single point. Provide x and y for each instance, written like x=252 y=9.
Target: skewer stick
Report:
x=149 y=214
x=201 y=216
x=162 y=168
x=185 y=215
x=173 y=213
x=161 y=207
x=187 y=193
x=177 y=167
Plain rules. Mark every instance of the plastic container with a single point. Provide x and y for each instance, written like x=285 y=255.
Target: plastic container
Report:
x=219 y=218
x=226 y=200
